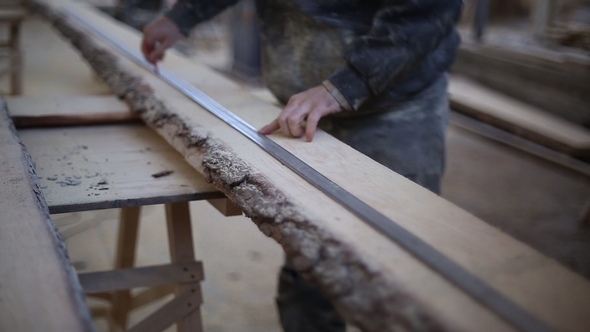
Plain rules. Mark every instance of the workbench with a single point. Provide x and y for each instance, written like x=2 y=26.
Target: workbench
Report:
x=82 y=168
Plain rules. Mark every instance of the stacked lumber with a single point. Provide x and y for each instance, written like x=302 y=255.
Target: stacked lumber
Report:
x=487 y=105
x=374 y=283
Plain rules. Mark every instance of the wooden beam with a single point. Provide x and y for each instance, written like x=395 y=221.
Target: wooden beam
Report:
x=374 y=284
x=76 y=110
x=180 y=242
x=107 y=281
x=225 y=207
x=39 y=290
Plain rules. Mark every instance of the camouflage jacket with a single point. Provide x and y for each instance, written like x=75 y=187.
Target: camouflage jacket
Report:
x=375 y=53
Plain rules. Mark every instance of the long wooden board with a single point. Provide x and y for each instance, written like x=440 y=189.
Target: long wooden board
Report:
x=377 y=286
x=68 y=110
x=39 y=290
x=474 y=99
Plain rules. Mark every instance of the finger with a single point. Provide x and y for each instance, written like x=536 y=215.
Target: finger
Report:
x=146 y=48
x=282 y=121
x=295 y=127
x=270 y=128
x=159 y=50
x=312 y=124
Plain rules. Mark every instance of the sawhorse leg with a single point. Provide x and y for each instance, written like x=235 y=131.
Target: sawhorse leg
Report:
x=125 y=258
x=184 y=309
x=180 y=240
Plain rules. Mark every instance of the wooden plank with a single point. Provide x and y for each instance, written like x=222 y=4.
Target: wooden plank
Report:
x=374 y=284
x=180 y=241
x=485 y=104
x=101 y=167
x=520 y=143
x=148 y=296
x=125 y=258
x=74 y=110
x=39 y=290
x=170 y=313
x=226 y=207
x=106 y=281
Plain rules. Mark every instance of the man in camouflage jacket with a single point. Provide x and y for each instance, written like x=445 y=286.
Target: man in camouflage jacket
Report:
x=371 y=73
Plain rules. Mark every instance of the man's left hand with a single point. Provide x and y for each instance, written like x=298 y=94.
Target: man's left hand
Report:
x=303 y=112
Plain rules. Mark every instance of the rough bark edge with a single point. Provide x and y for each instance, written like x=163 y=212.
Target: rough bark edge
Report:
x=77 y=293
x=361 y=294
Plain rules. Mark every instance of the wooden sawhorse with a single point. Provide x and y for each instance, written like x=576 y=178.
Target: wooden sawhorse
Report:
x=122 y=165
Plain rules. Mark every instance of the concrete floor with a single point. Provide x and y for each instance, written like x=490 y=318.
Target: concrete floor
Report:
x=529 y=198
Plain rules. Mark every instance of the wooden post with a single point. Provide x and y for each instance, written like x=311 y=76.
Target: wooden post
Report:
x=15 y=59
x=180 y=239
x=125 y=258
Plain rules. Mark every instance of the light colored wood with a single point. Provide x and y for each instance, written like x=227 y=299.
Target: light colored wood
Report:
x=124 y=258
x=149 y=276
x=65 y=105
x=180 y=240
x=52 y=66
x=474 y=99
x=23 y=122
x=127 y=237
x=101 y=167
x=150 y=295
x=39 y=290
x=170 y=313
x=68 y=110
x=226 y=207
x=13 y=17
x=358 y=268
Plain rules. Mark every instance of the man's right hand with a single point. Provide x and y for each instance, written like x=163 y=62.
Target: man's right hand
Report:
x=159 y=36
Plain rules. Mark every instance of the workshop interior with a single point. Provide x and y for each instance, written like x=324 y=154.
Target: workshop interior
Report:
x=142 y=191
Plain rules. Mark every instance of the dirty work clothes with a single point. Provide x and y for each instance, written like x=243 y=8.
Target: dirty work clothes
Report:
x=409 y=138
x=371 y=50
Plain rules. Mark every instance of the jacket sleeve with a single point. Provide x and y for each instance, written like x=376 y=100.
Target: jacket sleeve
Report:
x=186 y=14
x=402 y=33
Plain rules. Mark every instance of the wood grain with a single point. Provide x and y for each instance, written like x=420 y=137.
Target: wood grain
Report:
x=35 y=273
x=149 y=276
x=100 y=167
x=71 y=110
x=375 y=284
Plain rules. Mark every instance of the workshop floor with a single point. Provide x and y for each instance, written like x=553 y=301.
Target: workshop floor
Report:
x=532 y=199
